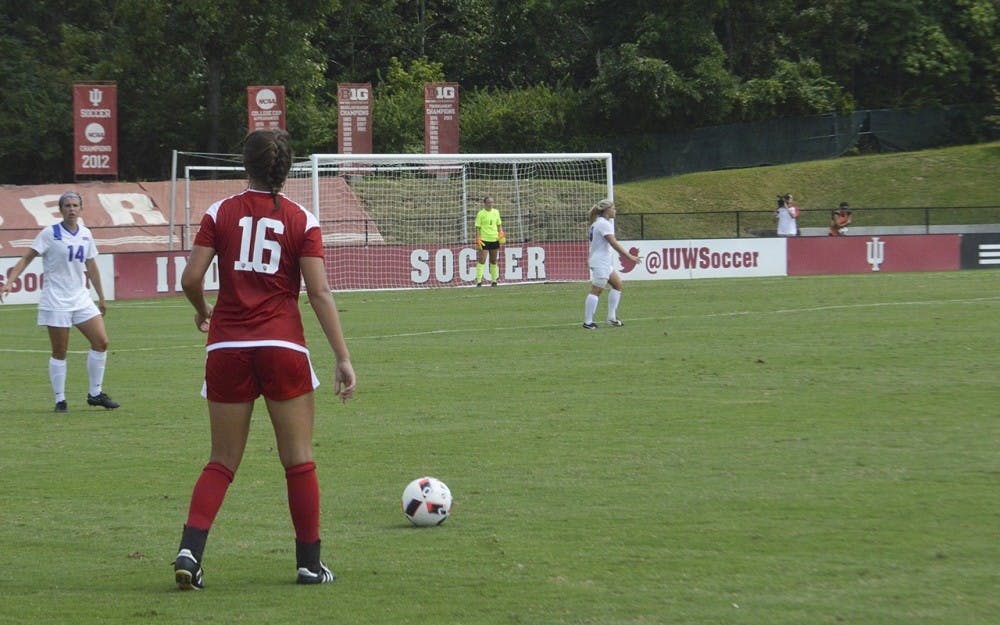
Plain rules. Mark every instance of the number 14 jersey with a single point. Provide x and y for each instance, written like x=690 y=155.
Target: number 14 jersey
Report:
x=64 y=258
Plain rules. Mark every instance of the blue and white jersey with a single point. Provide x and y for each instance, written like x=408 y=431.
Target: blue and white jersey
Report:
x=600 y=250
x=64 y=257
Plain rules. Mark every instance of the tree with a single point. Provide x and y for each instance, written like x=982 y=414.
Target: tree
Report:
x=533 y=72
x=398 y=109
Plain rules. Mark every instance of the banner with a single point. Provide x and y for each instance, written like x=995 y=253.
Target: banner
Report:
x=703 y=258
x=981 y=251
x=354 y=111
x=135 y=216
x=95 y=130
x=27 y=289
x=265 y=107
x=861 y=254
x=441 y=118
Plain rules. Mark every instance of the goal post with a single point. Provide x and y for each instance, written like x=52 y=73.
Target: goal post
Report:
x=408 y=220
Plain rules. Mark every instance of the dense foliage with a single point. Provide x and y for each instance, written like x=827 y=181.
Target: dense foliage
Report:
x=535 y=75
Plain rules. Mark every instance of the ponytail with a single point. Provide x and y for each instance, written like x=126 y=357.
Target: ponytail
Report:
x=598 y=209
x=267 y=158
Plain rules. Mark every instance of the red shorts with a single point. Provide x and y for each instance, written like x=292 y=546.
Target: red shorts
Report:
x=236 y=375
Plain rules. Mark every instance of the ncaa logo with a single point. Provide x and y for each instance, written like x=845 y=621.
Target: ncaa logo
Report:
x=266 y=99
x=94 y=132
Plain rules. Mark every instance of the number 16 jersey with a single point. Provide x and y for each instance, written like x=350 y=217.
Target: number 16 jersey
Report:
x=258 y=249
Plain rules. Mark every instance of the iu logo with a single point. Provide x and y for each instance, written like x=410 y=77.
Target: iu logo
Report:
x=95 y=95
x=876 y=252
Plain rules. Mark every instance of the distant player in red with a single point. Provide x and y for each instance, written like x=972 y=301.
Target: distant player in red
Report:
x=266 y=245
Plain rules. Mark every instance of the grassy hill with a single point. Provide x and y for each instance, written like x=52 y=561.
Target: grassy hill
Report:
x=957 y=176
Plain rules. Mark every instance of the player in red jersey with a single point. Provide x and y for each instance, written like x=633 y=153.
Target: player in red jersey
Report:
x=266 y=245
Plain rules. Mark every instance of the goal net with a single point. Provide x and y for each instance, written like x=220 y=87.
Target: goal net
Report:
x=408 y=221
x=201 y=179
x=403 y=221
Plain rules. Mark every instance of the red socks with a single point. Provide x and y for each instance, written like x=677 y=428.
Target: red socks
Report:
x=209 y=491
x=303 y=501
x=303 y=498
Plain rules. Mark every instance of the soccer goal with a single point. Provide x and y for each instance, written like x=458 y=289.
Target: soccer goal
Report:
x=408 y=220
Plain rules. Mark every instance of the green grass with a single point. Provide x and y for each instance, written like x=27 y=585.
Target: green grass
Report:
x=782 y=451
x=956 y=176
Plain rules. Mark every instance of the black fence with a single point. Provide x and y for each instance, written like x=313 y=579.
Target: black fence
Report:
x=792 y=140
x=812 y=222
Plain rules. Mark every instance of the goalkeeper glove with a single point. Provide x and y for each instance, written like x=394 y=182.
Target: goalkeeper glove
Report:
x=479 y=243
x=502 y=238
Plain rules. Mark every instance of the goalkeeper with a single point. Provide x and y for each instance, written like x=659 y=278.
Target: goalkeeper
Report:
x=489 y=238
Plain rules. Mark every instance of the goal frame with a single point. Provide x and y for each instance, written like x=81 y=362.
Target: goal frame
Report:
x=450 y=159
x=543 y=199
x=408 y=220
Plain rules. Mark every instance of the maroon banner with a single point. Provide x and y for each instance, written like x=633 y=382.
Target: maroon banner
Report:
x=95 y=130
x=265 y=107
x=409 y=266
x=441 y=118
x=866 y=254
x=143 y=275
x=155 y=274
x=354 y=111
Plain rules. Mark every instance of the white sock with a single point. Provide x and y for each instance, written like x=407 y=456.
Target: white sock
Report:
x=614 y=296
x=589 y=308
x=95 y=369
x=57 y=376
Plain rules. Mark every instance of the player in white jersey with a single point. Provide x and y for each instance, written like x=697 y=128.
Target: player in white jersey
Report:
x=67 y=249
x=602 y=272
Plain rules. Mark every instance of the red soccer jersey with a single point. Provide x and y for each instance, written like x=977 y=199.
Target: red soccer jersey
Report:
x=258 y=250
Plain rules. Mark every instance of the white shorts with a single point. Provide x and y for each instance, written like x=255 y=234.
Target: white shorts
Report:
x=599 y=276
x=67 y=318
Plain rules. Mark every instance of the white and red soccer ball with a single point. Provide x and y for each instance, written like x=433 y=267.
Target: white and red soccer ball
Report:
x=427 y=502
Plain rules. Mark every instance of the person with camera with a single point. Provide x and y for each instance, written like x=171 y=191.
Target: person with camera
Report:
x=840 y=219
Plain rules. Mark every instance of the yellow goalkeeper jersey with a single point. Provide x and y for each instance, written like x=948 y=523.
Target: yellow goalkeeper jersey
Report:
x=488 y=222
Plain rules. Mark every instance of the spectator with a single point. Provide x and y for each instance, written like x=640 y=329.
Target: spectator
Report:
x=786 y=215
x=839 y=220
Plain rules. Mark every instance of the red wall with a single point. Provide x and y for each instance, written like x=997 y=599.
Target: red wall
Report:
x=893 y=253
x=152 y=274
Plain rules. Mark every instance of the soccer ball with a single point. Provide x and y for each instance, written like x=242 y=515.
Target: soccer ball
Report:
x=427 y=501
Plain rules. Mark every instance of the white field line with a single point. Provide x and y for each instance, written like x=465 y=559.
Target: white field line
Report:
x=734 y=313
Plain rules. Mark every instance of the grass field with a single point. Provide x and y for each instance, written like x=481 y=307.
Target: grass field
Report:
x=796 y=451
x=955 y=176
x=948 y=177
